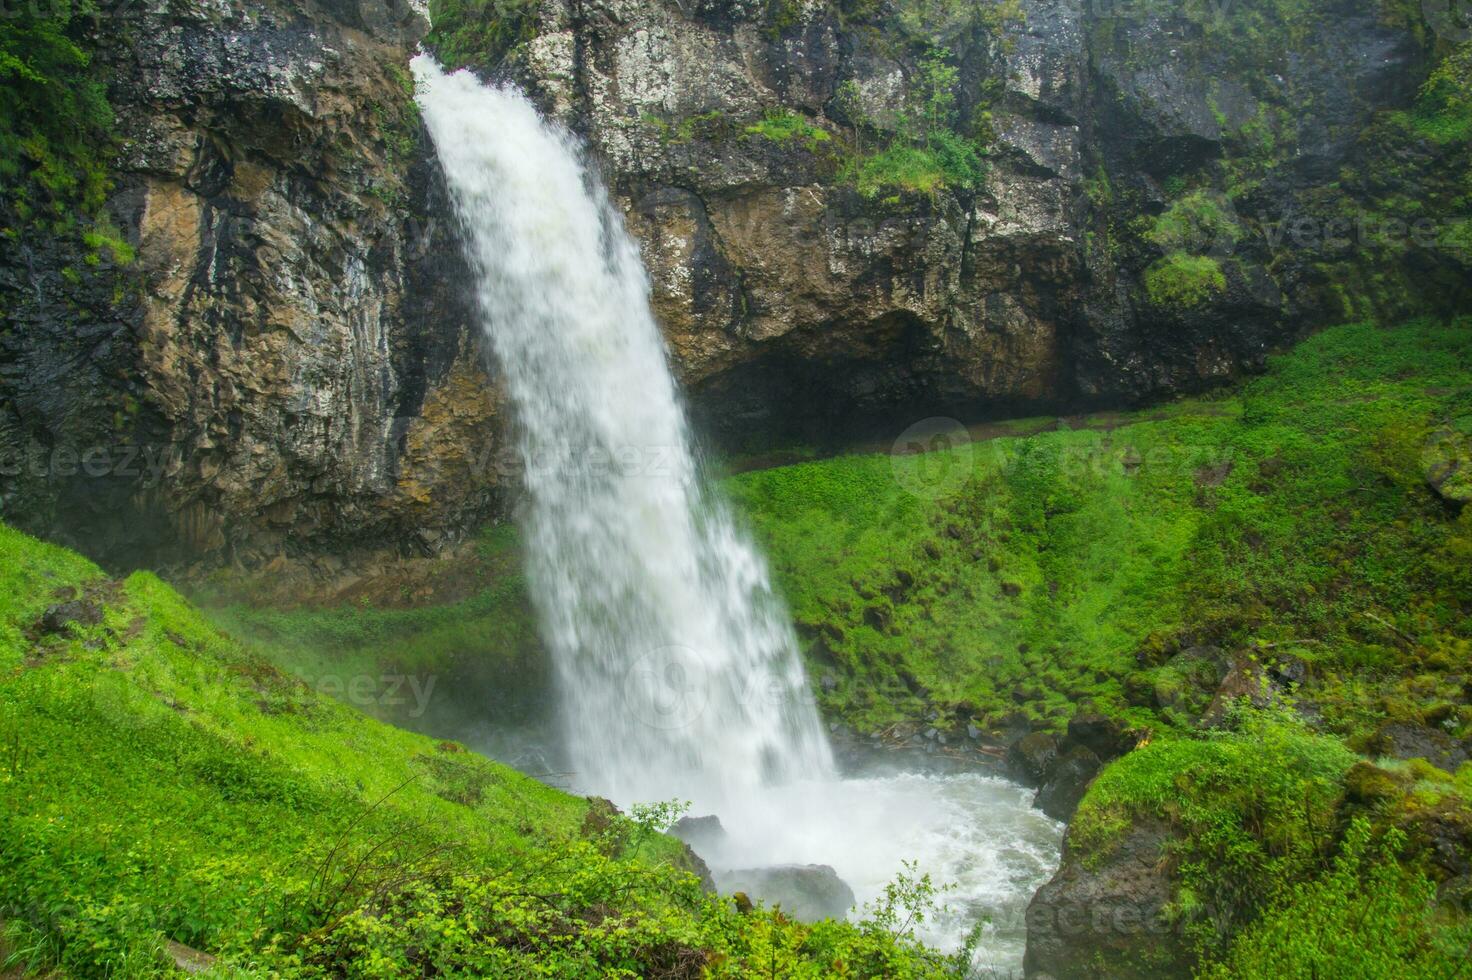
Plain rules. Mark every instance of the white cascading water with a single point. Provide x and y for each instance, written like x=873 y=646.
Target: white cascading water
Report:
x=678 y=672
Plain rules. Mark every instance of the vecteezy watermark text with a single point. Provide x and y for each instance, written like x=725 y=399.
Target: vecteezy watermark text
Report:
x=125 y=460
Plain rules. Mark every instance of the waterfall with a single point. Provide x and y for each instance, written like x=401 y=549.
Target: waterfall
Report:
x=677 y=667
x=676 y=664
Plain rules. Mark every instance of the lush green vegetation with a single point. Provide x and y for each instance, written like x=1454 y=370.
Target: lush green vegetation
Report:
x=1198 y=221
x=1443 y=110
x=784 y=126
x=56 y=126
x=163 y=784
x=479 y=33
x=925 y=151
x=1252 y=806
x=1368 y=917
x=1183 y=281
x=1035 y=573
x=1271 y=843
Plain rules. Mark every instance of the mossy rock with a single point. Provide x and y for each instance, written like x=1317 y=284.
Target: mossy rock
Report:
x=1447 y=460
x=1369 y=785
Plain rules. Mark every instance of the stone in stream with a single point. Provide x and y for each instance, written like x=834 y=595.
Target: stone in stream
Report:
x=807 y=892
x=1111 y=920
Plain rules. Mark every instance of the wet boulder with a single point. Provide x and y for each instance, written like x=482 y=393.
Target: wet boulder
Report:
x=807 y=892
x=704 y=834
x=1069 y=780
x=1030 y=759
x=1108 y=920
x=1106 y=737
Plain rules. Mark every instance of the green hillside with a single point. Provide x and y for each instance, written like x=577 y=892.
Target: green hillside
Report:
x=160 y=784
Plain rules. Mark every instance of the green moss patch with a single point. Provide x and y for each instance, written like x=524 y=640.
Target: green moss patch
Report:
x=1184 y=281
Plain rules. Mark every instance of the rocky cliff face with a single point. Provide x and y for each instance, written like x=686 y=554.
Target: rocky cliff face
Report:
x=289 y=365
x=798 y=296
x=853 y=212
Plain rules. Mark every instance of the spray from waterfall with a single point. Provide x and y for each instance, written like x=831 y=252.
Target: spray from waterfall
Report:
x=677 y=667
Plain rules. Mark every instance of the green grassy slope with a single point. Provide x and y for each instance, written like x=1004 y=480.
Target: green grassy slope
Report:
x=160 y=783
x=1068 y=566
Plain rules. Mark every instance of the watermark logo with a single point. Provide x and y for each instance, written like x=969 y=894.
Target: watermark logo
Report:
x=1366 y=229
x=933 y=457
x=128 y=699
x=129 y=461
x=1450 y=19
x=666 y=688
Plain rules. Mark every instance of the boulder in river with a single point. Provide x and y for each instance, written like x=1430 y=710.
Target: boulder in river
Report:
x=807 y=892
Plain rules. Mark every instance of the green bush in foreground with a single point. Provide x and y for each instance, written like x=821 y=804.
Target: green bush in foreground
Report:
x=1268 y=882
x=1252 y=808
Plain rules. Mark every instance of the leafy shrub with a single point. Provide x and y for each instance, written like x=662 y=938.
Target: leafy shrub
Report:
x=902 y=167
x=1195 y=222
x=1368 y=917
x=784 y=126
x=1443 y=110
x=1252 y=809
x=149 y=791
x=926 y=153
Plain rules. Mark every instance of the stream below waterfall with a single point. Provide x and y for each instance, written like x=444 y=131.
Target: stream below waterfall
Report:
x=678 y=674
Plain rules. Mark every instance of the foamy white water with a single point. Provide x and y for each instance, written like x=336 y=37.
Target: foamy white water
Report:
x=678 y=672
x=976 y=835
